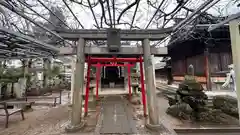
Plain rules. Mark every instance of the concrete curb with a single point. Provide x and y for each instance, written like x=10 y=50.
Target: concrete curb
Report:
x=209 y=130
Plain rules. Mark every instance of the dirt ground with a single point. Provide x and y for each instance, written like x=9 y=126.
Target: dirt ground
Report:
x=44 y=120
x=48 y=121
x=36 y=122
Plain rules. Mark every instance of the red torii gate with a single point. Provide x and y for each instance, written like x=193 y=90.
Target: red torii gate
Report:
x=114 y=63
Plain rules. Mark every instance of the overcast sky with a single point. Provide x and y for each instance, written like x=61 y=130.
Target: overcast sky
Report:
x=144 y=12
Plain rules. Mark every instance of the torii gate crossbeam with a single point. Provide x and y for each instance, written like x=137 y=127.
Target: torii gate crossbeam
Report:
x=132 y=35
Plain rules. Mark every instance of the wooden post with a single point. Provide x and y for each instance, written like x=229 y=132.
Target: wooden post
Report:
x=129 y=82
x=235 y=42
x=143 y=88
x=97 y=79
x=207 y=70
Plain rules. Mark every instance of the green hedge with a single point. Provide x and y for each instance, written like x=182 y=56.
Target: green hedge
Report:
x=11 y=76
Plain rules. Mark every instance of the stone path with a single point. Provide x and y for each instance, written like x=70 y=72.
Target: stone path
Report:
x=115 y=117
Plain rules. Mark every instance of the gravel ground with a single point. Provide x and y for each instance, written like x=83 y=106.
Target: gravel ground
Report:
x=37 y=122
x=44 y=120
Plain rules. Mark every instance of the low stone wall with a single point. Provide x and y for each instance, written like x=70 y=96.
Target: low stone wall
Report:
x=215 y=86
x=38 y=92
x=226 y=104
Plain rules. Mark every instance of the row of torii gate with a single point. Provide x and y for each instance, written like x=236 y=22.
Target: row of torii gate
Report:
x=113 y=63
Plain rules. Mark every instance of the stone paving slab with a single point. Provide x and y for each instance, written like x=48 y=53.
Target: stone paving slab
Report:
x=116 y=119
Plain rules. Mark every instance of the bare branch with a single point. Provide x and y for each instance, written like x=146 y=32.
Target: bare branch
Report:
x=103 y=17
x=109 y=13
x=127 y=8
x=91 y=8
x=85 y=4
x=134 y=13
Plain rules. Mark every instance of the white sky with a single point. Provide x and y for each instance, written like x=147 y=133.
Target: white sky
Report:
x=143 y=15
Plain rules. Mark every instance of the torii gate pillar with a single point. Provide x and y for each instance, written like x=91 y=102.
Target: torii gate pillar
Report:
x=150 y=86
x=73 y=65
x=76 y=110
x=235 y=42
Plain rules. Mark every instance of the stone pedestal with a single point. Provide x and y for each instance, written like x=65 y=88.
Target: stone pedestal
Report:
x=16 y=90
x=22 y=86
x=9 y=89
